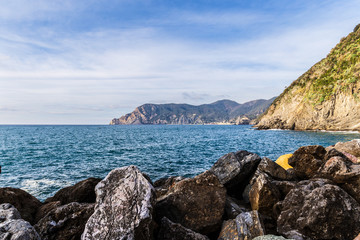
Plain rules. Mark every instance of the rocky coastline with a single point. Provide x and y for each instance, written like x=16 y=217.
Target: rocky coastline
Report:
x=242 y=196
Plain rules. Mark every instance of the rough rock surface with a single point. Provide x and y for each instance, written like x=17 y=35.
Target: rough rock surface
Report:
x=343 y=172
x=245 y=226
x=316 y=209
x=268 y=166
x=175 y=231
x=264 y=194
x=163 y=185
x=197 y=203
x=233 y=169
x=234 y=207
x=350 y=149
x=270 y=237
x=25 y=203
x=66 y=222
x=12 y=227
x=307 y=160
x=124 y=206
x=44 y=209
x=82 y=192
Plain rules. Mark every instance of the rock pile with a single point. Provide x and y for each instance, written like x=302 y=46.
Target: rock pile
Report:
x=241 y=197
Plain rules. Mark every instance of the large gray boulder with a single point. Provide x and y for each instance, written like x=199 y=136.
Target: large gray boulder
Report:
x=235 y=169
x=196 y=203
x=123 y=208
x=12 y=227
x=66 y=222
x=317 y=209
x=246 y=225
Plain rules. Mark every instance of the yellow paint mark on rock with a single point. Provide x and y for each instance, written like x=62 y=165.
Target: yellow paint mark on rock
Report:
x=283 y=161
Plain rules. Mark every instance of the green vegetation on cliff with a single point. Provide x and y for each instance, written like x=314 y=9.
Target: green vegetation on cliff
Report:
x=338 y=72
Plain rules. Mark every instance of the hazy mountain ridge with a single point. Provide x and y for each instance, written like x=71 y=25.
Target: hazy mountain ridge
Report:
x=220 y=112
x=326 y=97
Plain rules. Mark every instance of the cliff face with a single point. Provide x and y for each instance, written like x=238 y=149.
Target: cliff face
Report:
x=220 y=112
x=326 y=97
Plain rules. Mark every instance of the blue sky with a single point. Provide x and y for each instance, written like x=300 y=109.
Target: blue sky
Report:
x=87 y=61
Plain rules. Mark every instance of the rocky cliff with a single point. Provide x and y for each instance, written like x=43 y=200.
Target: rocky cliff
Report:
x=326 y=97
x=220 y=112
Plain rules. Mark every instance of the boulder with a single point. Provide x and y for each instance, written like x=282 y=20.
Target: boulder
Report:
x=307 y=160
x=235 y=169
x=66 y=222
x=124 y=207
x=245 y=226
x=82 y=192
x=175 y=231
x=317 y=209
x=24 y=202
x=270 y=237
x=196 y=203
x=352 y=148
x=345 y=173
x=234 y=207
x=12 y=227
x=264 y=194
x=274 y=170
x=44 y=209
x=163 y=185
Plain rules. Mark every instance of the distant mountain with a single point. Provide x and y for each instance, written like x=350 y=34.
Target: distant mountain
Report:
x=326 y=97
x=220 y=112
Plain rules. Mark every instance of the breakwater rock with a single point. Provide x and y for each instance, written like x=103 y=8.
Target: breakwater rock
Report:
x=242 y=196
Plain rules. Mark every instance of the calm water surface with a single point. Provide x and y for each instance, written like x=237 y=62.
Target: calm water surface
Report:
x=43 y=159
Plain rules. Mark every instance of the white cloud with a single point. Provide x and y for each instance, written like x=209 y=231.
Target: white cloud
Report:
x=93 y=76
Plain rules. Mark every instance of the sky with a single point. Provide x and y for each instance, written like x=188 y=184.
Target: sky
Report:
x=88 y=61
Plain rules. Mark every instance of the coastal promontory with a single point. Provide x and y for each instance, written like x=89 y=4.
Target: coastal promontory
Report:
x=326 y=97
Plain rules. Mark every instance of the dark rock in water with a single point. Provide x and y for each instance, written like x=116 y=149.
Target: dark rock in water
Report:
x=124 y=207
x=345 y=173
x=316 y=209
x=235 y=169
x=264 y=194
x=234 y=207
x=12 y=227
x=82 y=192
x=307 y=160
x=197 y=203
x=24 y=202
x=163 y=185
x=66 y=222
x=175 y=231
x=245 y=226
x=268 y=166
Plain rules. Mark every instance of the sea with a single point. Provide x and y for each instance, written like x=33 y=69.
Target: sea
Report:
x=43 y=159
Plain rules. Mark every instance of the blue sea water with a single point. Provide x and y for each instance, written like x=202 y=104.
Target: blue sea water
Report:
x=43 y=159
